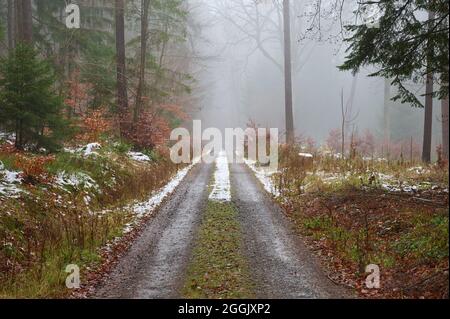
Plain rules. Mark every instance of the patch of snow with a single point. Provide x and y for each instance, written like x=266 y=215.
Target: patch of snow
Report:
x=86 y=150
x=76 y=180
x=419 y=170
x=306 y=155
x=390 y=188
x=90 y=149
x=8 y=137
x=147 y=207
x=329 y=178
x=11 y=177
x=9 y=181
x=139 y=157
x=264 y=176
x=71 y=150
x=222 y=189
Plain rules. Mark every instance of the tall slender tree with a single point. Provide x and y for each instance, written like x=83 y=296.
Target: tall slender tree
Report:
x=11 y=25
x=27 y=16
x=122 y=95
x=24 y=21
x=387 y=117
x=445 y=131
x=18 y=20
x=290 y=133
x=428 y=122
x=145 y=7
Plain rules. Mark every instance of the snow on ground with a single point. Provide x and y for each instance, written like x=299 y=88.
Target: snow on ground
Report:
x=75 y=180
x=306 y=155
x=9 y=182
x=386 y=182
x=222 y=189
x=90 y=149
x=139 y=157
x=264 y=175
x=146 y=208
x=86 y=150
x=419 y=170
x=9 y=138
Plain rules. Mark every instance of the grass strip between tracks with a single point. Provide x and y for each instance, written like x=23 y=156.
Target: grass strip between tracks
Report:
x=218 y=269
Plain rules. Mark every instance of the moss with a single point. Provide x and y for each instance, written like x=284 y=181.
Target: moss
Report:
x=218 y=269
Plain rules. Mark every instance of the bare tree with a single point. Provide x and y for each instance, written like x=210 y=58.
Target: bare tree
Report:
x=27 y=21
x=387 y=117
x=266 y=26
x=18 y=20
x=428 y=122
x=260 y=23
x=145 y=7
x=11 y=25
x=289 y=113
x=445 y=132
x=122 y=95
x=347 y=113
x=23 y=21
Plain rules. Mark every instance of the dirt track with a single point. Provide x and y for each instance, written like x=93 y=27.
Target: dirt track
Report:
x=281 y=266
x=154 y=267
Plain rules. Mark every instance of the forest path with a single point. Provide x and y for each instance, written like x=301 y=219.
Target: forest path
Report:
x=155 y=265
x=281 y=265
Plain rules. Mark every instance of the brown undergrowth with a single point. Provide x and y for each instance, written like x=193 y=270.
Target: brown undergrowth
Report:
x=351 y=221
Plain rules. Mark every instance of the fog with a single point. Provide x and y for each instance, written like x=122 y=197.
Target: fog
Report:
x=237 y=82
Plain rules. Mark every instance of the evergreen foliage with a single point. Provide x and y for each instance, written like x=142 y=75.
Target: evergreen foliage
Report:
x=405 y=45
x=29 y=107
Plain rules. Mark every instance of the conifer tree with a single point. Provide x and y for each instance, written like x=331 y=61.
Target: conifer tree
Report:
x=29 y=107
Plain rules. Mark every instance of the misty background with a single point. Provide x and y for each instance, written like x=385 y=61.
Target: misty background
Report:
x=237 y=82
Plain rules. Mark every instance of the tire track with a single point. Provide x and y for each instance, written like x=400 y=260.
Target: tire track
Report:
x=155 y=265
x=281 y=264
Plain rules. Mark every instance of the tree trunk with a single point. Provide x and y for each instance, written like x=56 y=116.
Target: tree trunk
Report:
x=445 y=132
x=387 y=117
x=18 y=20
x=27 y=36
x=428 y=123
x=144 y=33
x=11 y=25
x=24 y=21
x=290 y=133
x=343 y=125
x=122 y=95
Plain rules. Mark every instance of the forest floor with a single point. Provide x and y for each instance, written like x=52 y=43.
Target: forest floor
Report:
x=389 y=214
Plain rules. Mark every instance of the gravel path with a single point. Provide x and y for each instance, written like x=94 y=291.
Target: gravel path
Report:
x=154 y=267
x=156 y=264
x=281 y=264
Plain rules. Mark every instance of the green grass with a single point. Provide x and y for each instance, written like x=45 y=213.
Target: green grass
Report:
x=428 y=240
x=218 y=269
x=45 y=277
x=8 y=161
